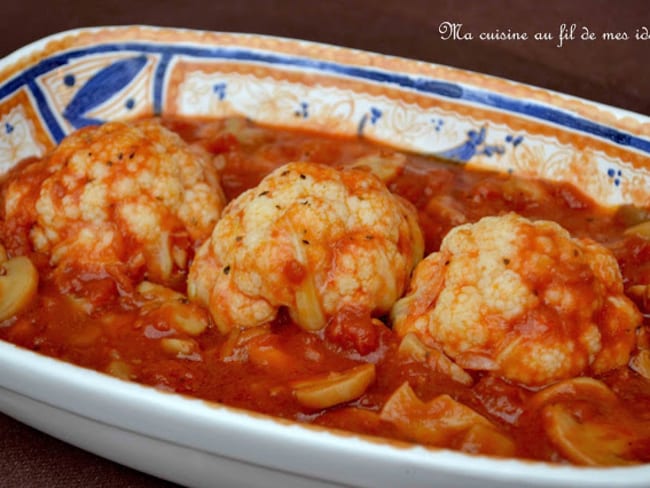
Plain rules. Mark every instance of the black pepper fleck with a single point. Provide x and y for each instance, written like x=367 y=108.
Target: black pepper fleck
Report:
x=302 y=177
x=266 y=192
x=305 y=241
x=506 y=261
x=226 y=270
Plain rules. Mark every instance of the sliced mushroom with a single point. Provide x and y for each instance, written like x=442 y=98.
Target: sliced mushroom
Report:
x=234 y=348
x=643 y=337
x=267 y=352
x=181 y=348
x=632 y=215
x=412 y=347
x=120 y=369
x=18 y=285
x=243 y=131
x=640 y=230
x=586 y=421
x=575 y=388
x=386 y=167
x=523 y=189
x=402 y=405
x=440 y=362
x=441 y=414
x=188 y=318
x=640 y=363
x=641 y=296
x=586 y=442
x=181 y=315
x=447 y=208
x=442 y=420
x=153 y=291
x=335 y=388
x=487 y=440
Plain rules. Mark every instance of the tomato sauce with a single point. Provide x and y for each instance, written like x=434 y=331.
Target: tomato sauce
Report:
x=97 y=323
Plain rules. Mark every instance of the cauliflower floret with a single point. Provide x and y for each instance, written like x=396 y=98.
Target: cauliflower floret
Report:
x=310 y=238
x=127 y=197
x=523 y=299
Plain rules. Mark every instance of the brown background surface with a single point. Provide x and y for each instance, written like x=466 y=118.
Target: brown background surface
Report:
x=612 y=72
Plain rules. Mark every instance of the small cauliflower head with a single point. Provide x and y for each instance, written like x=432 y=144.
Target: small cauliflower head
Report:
x=131 y=197
x=313 y=239
x=522 y=299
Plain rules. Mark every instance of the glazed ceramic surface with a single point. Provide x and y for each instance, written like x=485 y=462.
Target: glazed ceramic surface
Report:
x=77 y=78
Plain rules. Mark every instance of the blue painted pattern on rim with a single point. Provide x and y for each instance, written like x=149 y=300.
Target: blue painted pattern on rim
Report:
x=419 y=84
x=159 y=82
x=101 y=87
x=220 y=90
x=474 y=144
x=69 y=80
x=48 y=117
x=303 y=110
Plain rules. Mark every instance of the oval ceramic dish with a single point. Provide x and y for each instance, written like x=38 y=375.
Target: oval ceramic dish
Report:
x=82 y=77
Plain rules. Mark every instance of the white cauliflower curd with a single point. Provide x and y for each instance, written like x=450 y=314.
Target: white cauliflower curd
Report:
x=310 y=238
x=126 y=198
x=523 y=299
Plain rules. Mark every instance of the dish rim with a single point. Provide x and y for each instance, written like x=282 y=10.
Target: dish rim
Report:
x=12 y=356
x=616 y=118
x=104 y=390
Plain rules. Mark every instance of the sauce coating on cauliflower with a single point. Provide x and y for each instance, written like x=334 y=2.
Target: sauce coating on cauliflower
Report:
x=310 y=238
x=124 y=197
x=523 y=299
